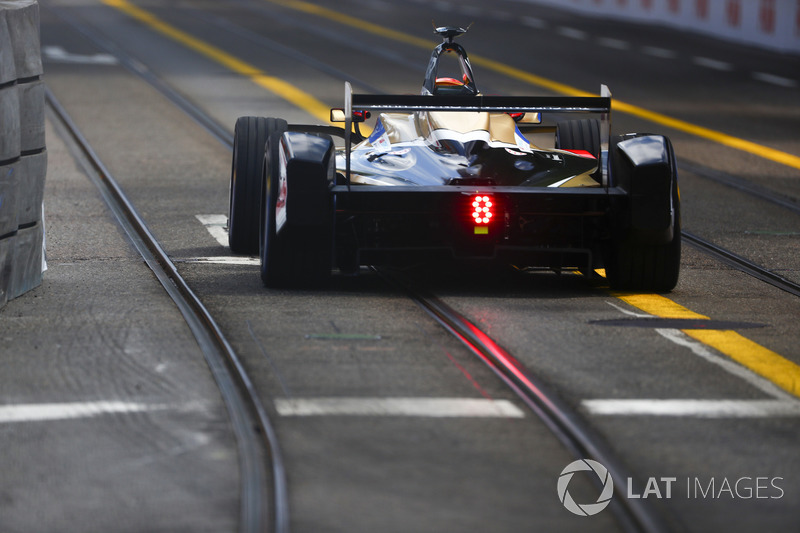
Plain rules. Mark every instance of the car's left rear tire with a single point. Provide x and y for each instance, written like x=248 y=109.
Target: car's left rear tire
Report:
x=244 y=213
x=300 y=254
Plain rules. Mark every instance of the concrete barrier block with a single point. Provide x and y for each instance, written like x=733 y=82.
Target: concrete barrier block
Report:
x=32 y=172
x=21 y=130
x=26 y=271
x=8 y=71
x=31 y=115
x=23 y=27
x=9 y=123
x=9 y=196
x=7 y=249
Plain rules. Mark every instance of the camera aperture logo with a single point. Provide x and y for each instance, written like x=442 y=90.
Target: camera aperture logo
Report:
x=585 y=509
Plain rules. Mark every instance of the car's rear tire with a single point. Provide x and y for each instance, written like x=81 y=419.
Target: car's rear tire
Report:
x=581 y=134
x=244 y=213
x=300 y=255
x=649 y=268
x=632 y=265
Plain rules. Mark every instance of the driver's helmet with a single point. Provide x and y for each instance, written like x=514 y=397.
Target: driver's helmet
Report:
x=452 y=86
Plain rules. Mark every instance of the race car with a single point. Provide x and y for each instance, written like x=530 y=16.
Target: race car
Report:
x=457 y=175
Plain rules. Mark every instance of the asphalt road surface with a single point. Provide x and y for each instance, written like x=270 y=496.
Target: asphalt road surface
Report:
x=706 y=421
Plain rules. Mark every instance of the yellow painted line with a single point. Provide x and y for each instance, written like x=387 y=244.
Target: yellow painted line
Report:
x=747 y=353
x=285 y=90
x=657 y=305
x=512 y=72
x=760 y=360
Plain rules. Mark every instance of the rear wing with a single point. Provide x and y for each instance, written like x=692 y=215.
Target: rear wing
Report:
x=482 y=104
x=479 y=103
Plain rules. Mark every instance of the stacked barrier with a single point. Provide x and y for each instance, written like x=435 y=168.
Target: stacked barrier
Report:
x=23 y=158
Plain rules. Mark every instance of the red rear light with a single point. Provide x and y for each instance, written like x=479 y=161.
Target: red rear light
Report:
x=482 y=209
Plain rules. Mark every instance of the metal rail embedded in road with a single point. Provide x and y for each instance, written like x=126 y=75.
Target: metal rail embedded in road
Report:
x=632 y=515
x=740 y=263
x=246 y=412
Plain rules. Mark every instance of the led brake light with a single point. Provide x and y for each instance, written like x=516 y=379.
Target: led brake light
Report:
x=482 y=212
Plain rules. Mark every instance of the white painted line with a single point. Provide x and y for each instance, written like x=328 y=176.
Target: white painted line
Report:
x=418 y=407
x=221 y=260
x=775 y=80
x=730 y=366
x=217 y=226
x=661 y=53
x=534 y=22
x=571 y=33
x=629 y=313
x=57 y=54
x=616 y=44
x=696 y=408
x=722 y=66
x=64 y=411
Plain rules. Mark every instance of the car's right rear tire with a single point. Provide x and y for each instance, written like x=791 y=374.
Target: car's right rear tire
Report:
x=633 y=264
x=583 y=134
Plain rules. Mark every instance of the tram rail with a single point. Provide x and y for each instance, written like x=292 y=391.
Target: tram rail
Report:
x=264 y=504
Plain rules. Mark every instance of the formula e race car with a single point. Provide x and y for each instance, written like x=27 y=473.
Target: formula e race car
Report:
x=455 y=174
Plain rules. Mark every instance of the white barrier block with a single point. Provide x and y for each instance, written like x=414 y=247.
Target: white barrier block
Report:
x=27 y=264
x=9 y=123
x=31 y=115
x=8 y=71
x=23 y=27
x=32 y=172
x=9 y=196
